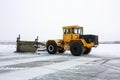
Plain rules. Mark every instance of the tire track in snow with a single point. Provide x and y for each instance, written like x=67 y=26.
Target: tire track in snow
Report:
x=18 y=57
x=13 y=62
x=40 y=71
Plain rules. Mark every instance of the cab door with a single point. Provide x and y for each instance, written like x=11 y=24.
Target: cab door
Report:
x=67 y=36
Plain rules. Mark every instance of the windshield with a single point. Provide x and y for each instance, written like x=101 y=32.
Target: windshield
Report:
x=77 y=31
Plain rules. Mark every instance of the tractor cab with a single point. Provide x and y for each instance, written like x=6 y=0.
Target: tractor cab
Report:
x=72 y=32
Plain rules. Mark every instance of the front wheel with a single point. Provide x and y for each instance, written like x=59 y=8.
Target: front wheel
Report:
x=76 y=48
x=52 y=47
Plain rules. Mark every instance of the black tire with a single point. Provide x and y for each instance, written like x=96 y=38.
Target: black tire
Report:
x=61 y=50
x=76 y=48
x=87 y=51
x=52 y=47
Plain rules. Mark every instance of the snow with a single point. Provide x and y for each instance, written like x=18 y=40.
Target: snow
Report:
x=100 y=64
x=107 y=50
x=7 y=48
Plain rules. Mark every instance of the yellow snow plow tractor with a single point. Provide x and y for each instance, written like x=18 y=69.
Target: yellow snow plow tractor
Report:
x=73 y=40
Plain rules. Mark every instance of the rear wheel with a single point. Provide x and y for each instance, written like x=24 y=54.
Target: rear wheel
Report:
x=52 y=47
x=76 y=48
x=87 y=51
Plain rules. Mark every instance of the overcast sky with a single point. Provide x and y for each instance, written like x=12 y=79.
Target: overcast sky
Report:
x=45 y=18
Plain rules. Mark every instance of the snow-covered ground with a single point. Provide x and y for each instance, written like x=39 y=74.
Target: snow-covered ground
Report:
x=103 y=63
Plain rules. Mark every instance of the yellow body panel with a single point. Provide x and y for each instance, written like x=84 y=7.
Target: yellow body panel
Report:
x=88 y=45
x=75 y=36
x=67 y=37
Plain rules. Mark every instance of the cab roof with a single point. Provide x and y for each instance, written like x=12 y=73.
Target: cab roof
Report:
x=72 y=26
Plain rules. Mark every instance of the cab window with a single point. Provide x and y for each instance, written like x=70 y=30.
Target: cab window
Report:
x=66 y=31
x=76 y=31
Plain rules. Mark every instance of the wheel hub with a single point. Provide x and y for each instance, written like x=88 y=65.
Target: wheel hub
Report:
x=50 y=48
